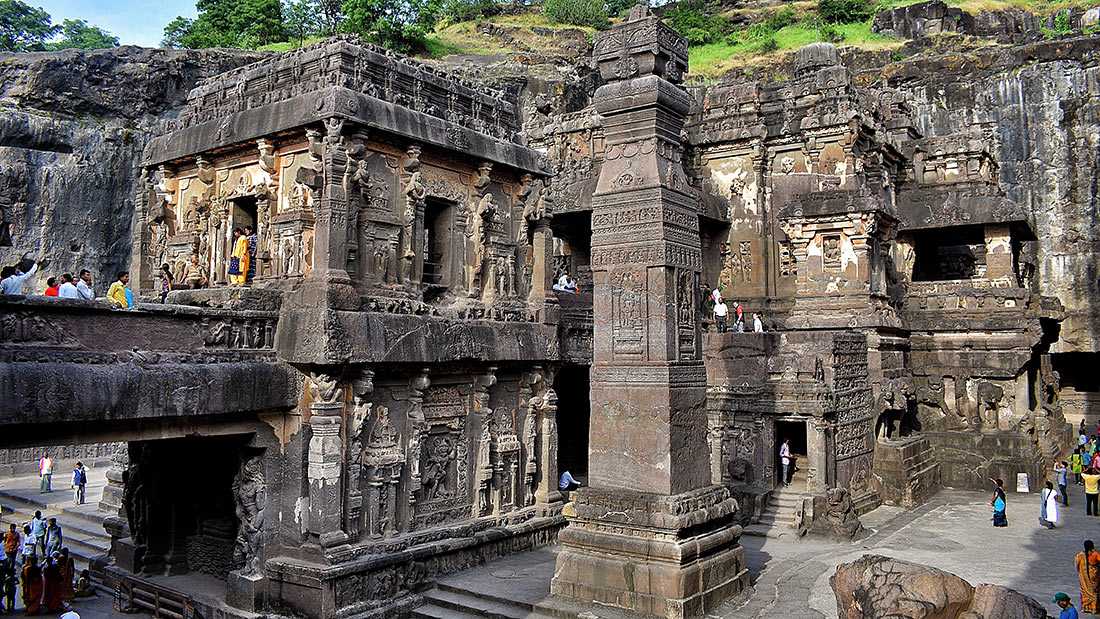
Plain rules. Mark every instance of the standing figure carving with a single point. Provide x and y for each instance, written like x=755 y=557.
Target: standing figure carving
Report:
x=415 y=193
x=135 y=499
x=530 y=434
x=250 y=496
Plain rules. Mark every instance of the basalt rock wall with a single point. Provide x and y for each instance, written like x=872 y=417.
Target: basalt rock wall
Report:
x=1039 y=104
x=72 y=128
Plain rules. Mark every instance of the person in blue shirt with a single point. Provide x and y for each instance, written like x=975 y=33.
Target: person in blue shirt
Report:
x=1063 y=602
x=567 y=483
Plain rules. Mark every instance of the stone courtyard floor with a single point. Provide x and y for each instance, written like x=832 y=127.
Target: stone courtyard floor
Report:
x=791 y=576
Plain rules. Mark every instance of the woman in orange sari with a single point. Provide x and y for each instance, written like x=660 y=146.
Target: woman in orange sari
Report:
x=239 y=259
x=32 y=586
x=53 y=590
x=68 y=571
x=1088 y=576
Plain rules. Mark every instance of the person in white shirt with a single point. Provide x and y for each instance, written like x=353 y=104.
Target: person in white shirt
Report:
x=785 y=458
x=68 y=288
x=720 y=314
x=15 y=278
x=84 y=285
x=757 y=325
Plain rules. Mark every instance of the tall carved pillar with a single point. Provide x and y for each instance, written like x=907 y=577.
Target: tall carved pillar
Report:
x=330 y=236
x=325 y=460
x=415 y=428
x=547 y=496
x=652 y=534
x=362 y=388
x=483 y=474
x=140 y=260
x=542 y=263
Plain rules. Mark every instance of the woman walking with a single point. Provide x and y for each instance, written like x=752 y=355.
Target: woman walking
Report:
x=1088 y=576
x=1048 y=509
x=999 y=503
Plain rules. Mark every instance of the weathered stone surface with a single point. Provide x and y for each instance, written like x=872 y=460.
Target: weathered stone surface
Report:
x=877 y=586
x=830 y=515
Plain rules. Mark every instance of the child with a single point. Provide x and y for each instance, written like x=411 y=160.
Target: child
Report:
x=84 y=588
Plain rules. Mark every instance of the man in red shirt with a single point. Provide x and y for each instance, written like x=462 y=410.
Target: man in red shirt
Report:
x=51 y=287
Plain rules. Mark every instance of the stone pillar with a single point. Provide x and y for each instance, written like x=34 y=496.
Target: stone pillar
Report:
x=141 y=271
x=547 y=496
x=330 y=234
x=325 y=460
x=415 y=428
x=542 y=264
x=998 y=252
x=357 y=424
x=652 y=534
x=817 y=443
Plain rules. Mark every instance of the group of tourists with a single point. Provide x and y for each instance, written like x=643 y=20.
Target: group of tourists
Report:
x=565 y=283
x=66 y=286
x=78 y=483
x=37 y=563
x=722 y=312
x=14 y=278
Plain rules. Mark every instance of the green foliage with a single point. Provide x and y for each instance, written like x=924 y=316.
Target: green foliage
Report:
x=455 y=11
x=695 y=21
x=619 y=7
x=591 y=13
x=829 y=33
x=401 y=25
x=1062 y=26
x=302 y=18
x=769 y=45
x=845 y=11
x=24 y=28
x=78 y=34
x=228 y=23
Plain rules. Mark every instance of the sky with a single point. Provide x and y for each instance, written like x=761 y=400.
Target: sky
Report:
x=134 y=22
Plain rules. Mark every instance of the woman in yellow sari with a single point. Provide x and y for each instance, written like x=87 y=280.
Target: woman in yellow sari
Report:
x=238 y=260
x=1088 y=576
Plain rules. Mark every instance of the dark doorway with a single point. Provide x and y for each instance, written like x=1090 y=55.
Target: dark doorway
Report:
x=189 y=503
x=793 y=430
x=571 y=386
x=437 y=244
x=949 y=254
x=243 y=212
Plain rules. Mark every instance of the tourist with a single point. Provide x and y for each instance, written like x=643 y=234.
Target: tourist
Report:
x=1061 y=472
x=84 y=587
x=53 y=585
x=238 y=259
x=13 y=278
x=721 y=312
x=164 y=279
x=51 y=286
x=1092 y=491
x=195 y=276
x=566 y=483
x=54 y=538
x=9 y=585
x=70 y=614
x=80 y=481
x=1048 y=506
x=1088 y=576
x=68 y=571
x=1063 y=602
x=30 y=540
x=12 y=542
x=999 y=503
x=250 y=235
x=117 y=294
x=757 y=325
x=1076 y=465
x=84 y=286
x=785 y=460
x=45 y=473
x=32 y=587
x=738 y=313
x=68 y=289
x=566 y=284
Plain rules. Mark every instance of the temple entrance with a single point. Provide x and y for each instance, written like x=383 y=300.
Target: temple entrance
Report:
x=793 y=430
x=571 y=386
x=183 y=506
x=437 y=250
x=242 y=212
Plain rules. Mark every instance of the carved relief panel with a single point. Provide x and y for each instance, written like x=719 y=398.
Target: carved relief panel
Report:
x=444 y=494
x=628 y=312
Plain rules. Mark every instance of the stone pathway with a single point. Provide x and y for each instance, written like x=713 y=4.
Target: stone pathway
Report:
x=791 y=576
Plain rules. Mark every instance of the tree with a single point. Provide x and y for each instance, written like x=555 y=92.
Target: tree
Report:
x=302 y=18
x=24 y=28
x=78 y=34
x=401 y=25
x=332 y=15
x=228 y=23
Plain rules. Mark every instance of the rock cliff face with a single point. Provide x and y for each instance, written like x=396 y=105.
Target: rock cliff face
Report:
x=72 y=128
x=1040 y=105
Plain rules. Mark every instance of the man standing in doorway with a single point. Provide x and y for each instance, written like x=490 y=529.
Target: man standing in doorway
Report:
x=45 y=472
x=785 y=459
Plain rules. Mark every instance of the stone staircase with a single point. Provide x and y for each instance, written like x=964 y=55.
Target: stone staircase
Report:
x=81 y=527
x=781 y=511
x=450 y=602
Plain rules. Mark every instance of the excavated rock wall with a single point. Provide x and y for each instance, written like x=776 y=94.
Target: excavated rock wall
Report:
x=72 y=128
x=1040 y=105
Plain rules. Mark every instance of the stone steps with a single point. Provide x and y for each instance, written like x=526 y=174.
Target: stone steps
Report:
x=779 y=514
x=449 y=602
x=83 y=534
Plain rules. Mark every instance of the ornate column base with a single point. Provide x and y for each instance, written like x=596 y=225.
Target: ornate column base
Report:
x=663 y=556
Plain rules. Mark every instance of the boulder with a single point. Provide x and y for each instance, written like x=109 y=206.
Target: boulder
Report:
x=830 y=515
x=877 y=586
